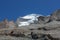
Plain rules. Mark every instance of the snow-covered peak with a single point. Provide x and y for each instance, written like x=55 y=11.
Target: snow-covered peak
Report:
x=31 y=18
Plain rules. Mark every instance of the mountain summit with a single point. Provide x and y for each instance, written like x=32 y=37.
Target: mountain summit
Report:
x=28 y=19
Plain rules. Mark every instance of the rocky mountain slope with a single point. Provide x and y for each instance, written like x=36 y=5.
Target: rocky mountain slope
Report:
x=33 y=26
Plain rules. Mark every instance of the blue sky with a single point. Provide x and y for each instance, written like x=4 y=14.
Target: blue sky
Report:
x=12 y=9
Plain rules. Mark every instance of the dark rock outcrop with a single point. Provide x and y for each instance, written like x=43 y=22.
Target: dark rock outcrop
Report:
x=34 y=36
x=16 y=34
x=43 y=19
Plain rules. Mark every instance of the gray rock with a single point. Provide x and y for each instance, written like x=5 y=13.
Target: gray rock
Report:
x=56 y=15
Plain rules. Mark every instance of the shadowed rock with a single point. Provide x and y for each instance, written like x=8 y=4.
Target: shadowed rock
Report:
x=43 y=19
x=34 y=36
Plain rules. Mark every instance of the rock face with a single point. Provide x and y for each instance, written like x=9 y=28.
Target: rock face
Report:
x=43 y=19
x=56 y=15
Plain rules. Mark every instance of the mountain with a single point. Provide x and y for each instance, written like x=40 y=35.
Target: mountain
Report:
x=45 y=27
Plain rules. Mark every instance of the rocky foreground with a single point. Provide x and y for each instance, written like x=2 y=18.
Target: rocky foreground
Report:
x=47 y=28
